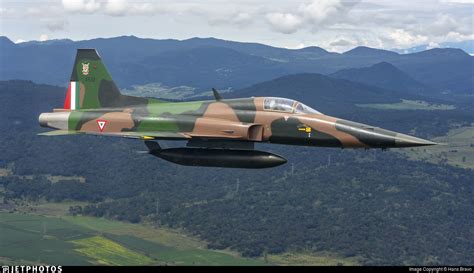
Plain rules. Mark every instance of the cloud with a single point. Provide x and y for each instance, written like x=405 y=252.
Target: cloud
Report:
x=298 y=46
x=312 y=15
x=43 y=37
x=81 y=6
x=445 y=23
x=393 y=24
x=403 y=38
x=335 y=24
x=116 y=7
x=4 y=12
x=342 y=43
x=319 y=11
x=284 y=22
x=56 y=25
x=213 y=12
x=457 y=1
x=457 y=37
x=432 y=45
x=240 y=20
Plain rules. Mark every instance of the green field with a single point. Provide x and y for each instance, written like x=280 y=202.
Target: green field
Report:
x=40 y=239
x=8 y=172
x=319 y=259
x=90 y=241
x=408 y=105
x=158 y=90
x=27 y=238
x=107 y=252
x=457 y=149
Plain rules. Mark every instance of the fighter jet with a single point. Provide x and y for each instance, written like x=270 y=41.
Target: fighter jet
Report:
x=219 y=133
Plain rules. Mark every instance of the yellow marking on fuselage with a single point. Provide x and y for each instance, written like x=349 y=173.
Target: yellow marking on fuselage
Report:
x=305 y=129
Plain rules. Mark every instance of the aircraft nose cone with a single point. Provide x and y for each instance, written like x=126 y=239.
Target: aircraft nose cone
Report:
x=402 y=140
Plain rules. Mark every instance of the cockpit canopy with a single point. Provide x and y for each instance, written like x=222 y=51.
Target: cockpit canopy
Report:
x=287 y=106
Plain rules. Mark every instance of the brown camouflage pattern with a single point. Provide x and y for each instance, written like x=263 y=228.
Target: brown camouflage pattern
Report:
x=235 y=120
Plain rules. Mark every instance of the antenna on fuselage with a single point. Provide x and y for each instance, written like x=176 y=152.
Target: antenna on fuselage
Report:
x=217 y=96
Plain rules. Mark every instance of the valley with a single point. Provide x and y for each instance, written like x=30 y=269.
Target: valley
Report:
x=456 y=149
x=52 y=235
x=408 y=105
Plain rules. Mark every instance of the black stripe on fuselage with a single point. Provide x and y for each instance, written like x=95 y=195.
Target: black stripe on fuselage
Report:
x=286 y=132
x=369 y=135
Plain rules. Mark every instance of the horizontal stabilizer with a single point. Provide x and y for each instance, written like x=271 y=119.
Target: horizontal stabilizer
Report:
x=60 y=133
x=146 y=135
x=135 y=135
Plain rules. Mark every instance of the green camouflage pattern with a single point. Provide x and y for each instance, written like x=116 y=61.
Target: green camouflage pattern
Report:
x=102 y=110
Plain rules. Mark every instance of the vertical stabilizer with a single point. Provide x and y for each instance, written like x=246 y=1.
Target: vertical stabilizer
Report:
x=92 y=87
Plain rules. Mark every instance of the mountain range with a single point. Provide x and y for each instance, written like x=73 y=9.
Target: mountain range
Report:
x=383 y=75
x=325 y=94
x=467 y=46
x=208 y=62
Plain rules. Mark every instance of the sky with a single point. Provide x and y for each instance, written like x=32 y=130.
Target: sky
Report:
x=336 y=25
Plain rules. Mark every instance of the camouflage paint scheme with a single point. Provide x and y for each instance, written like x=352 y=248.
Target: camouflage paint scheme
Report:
x=99 y=108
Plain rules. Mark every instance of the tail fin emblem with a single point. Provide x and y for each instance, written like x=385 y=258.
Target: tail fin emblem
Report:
x=85 y=69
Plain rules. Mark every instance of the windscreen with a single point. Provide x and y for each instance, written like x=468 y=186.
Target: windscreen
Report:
x=278 y=104
x=304 y=109
x=287 y=105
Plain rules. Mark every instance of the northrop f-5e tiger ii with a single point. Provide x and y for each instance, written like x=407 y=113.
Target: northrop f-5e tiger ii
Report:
x=219 y=132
